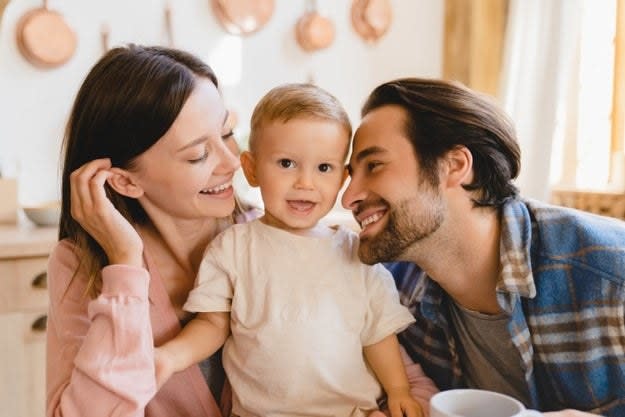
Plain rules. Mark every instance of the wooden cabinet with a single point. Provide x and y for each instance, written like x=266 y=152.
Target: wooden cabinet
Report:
x=23 y=312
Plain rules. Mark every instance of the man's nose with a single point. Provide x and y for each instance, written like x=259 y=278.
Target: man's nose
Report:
x=352 y=195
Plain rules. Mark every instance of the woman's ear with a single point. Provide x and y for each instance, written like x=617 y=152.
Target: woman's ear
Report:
x=459 y=167
x=248 y=163
x=123 y=183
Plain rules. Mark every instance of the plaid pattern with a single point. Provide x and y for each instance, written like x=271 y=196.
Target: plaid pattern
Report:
x=563 y=284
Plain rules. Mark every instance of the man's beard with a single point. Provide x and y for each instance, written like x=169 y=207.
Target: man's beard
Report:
x=403 y=228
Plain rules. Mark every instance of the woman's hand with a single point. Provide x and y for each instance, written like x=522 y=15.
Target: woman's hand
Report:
x=96 y=214
x=163 y=366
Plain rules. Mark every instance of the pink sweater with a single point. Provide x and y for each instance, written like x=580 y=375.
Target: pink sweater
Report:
x=100 y=352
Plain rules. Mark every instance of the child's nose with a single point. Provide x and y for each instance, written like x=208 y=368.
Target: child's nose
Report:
x=304 y=181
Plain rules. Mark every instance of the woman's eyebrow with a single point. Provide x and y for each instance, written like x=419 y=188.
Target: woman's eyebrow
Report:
x=202 y=138
x=193 y=143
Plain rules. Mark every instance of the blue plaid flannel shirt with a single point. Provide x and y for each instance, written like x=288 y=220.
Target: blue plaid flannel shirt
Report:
x=563 y=283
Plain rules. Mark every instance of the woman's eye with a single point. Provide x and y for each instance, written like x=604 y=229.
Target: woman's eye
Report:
x=228 y=135
x=325 y=168
x=200 y=159
x=286 y=163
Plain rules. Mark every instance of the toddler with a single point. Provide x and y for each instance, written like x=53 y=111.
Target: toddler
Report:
x=312 y=329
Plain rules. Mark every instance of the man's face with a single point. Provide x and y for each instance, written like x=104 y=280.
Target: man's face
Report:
x=394 y=204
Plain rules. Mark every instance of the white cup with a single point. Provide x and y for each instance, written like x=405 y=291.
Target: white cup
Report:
x=477 y=403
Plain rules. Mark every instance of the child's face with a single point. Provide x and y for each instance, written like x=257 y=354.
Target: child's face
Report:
x=299 y=167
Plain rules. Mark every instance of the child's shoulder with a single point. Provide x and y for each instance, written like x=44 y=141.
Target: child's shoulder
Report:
x=233 y=234
x=347 y=239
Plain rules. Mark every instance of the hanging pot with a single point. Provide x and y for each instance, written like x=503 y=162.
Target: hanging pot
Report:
x=105 y=33
x=169 y=26
x=371 y=19
x=3 y=5
x=44 y=38
x=242 y=17
x=314 y=31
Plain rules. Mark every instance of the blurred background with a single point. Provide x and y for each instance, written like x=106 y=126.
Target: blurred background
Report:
x=555 y=66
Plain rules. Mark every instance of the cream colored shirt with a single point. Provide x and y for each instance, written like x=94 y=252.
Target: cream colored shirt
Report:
x=301 y=311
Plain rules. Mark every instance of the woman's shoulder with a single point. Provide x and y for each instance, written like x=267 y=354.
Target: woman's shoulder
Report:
x=64 y=270
x=64 y=255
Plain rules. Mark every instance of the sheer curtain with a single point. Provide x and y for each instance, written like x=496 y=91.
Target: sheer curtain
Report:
x=538 y=80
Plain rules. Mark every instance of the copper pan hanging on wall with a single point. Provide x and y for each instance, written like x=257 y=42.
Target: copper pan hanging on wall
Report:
x=371 y=19
x=314 y=31
x=44 y=38
x=242 y=17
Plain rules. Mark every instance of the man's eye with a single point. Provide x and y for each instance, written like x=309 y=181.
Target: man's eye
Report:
x=325 y=167
x=372 y=165
x=286 y=163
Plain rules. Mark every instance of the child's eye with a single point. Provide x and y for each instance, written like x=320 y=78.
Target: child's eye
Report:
x=228 y=135
x=325 y=167
x=286 y=163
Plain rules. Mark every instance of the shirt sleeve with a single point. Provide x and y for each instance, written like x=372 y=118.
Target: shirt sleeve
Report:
x=385 y=315
x=99 y=351
x=214 y=288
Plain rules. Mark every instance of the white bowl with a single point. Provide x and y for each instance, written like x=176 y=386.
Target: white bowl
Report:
x=47 y=214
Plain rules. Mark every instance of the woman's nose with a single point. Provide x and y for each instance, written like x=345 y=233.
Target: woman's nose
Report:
x=229 y=160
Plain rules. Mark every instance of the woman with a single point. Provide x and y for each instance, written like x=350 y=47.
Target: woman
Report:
x=147 y=183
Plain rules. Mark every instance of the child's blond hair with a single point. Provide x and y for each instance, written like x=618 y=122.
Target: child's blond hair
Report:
x=291 y=101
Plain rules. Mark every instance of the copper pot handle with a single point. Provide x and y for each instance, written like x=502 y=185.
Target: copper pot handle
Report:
x=169 y=29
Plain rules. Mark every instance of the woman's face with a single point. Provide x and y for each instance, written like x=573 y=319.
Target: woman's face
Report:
x=187 y=174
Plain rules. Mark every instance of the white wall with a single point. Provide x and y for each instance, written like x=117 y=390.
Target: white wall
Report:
x=34 y=104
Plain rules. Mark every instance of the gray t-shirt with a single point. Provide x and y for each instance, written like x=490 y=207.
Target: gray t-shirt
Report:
x=488 y=357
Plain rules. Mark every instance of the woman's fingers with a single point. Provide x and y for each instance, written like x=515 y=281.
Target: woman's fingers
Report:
x=100 y=205
x=91 y=207
x=82 y=203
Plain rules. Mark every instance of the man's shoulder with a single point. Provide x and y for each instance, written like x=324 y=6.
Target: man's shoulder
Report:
x=410 y=280
x=563 y=228
x=579 y=238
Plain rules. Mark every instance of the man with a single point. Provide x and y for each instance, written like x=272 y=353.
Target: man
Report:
x=509 y=295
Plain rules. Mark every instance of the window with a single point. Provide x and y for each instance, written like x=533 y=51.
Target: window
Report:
x=590 y=155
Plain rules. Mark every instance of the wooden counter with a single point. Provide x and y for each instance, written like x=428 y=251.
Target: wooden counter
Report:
x=26 y=240
x=24 y=251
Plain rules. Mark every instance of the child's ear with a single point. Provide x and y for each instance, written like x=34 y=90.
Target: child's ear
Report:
x=248 y=163
x=345 y=175
x=459 y=169
x=123 y=182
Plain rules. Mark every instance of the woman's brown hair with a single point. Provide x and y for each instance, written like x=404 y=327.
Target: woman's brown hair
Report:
x=128 y=100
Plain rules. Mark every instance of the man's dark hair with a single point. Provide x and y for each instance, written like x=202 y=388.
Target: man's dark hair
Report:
x=442 y=115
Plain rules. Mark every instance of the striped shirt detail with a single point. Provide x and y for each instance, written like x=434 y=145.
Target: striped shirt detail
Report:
x=563 y=283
